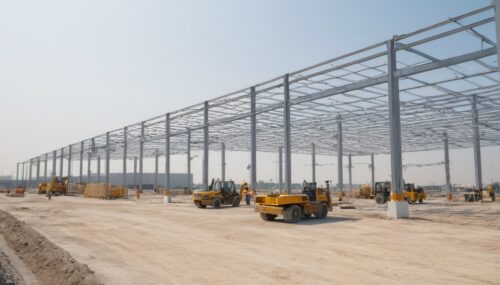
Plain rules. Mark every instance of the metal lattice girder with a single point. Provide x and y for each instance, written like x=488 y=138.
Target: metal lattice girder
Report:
x=439 y=68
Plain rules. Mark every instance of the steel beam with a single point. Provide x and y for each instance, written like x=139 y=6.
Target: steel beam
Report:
x=82 y=144
x=98 y=169
x=141 y=155
x=253 y=140
x=447 y=163
x=287 y=135
x=350 y=173
x=157 y=154
x=280 y=167
x=313 y=162
x=476 y=144
x=189 y=158
x=340 y=162
x=223 y=161
x=167 y=151
x=205 y=146
x=125 y=146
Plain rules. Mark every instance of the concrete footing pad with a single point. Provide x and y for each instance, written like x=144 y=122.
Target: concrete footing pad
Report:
x=398 y=210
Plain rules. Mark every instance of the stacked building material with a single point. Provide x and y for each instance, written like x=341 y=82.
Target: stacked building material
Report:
x=100 y=191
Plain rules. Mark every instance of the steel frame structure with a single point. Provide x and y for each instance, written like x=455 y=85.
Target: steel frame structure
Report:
x=397 y=95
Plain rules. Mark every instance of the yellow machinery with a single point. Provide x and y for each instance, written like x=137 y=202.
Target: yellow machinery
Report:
x=219 y=193
x=366 y=192
x=412 y=194
x=247 y=193
x=313 y=201
x=491 y=192
x=55 y=186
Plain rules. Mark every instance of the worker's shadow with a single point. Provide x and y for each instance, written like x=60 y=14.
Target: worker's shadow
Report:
x=327 y=220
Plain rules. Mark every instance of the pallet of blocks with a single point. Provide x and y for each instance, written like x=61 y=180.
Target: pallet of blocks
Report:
x=100 y=191
x=77 y=188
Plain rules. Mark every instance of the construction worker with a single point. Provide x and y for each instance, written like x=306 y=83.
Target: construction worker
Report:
x=244 y=190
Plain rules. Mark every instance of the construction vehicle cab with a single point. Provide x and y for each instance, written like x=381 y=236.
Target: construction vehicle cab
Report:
x=412 y=194
x=366 y=192
x=382 y=192
x=219 y=193
x=55 y=186
x=312 y=201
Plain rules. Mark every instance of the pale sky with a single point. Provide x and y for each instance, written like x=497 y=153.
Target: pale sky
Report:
x=72 y=69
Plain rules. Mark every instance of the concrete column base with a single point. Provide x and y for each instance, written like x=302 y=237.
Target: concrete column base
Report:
x=398 y=210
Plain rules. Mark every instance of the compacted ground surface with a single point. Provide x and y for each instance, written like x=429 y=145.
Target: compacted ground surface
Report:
x=148 y=242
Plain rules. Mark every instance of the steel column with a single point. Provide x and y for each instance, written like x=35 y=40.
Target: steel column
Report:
x=372 y=168
x=223 y=161
x=287 y=134
x=167 y=151
x=136 y=186
x=205 y=146
x=45 y=167
x=157 y=154
x=141 y=155
x=69 y=165
x=125 y=145
x=98 y=169
x=313 y=162
x=89 y=168
x=29 y=172
x=253 y=139
x=497 y=25
x=350 y=173
x=280 y=167
x=447 y=163
x=82 y=145
x=61 y=164
x=394 y=122
x=54 y=161
x=17 y=175
x=476 y=144
x=107 y=169
x=189 y=157
x=22 y=178
x=340 y=171
x=37 y=171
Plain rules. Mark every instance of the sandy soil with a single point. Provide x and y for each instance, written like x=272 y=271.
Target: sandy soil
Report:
x=147 y=242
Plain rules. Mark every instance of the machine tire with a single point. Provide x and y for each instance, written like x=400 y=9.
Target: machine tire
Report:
x=493 y=198
x=379 y=199
x=420 y=201
x=236 y=201
x=200 y=205
x=268 y=217
x=216 y=203
x=323 y=211
x=292 y=214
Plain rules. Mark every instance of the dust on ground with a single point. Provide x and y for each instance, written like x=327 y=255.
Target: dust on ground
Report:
x=147 y=242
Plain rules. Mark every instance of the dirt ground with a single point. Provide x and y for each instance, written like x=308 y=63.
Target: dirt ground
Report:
x=147 y=242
